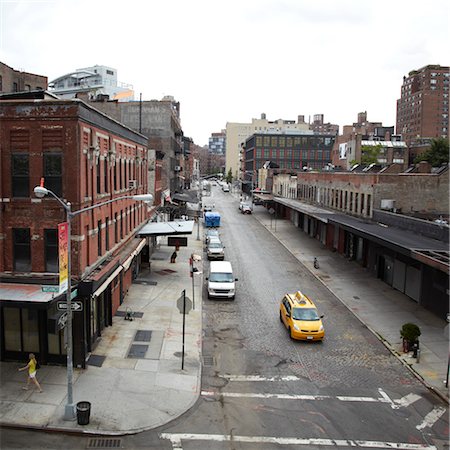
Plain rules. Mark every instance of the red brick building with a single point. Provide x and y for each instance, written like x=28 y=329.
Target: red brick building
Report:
x=85 y=158
x=12 y=80
x=422 y=110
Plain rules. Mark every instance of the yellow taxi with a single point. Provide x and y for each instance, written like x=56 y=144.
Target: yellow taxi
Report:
x=299 y=315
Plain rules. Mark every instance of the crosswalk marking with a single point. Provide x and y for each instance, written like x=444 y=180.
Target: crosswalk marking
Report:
x=260 y=378
x=294 y=396
x=176 y=438
x=431 y=418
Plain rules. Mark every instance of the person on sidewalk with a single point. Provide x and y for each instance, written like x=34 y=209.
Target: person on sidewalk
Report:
x=173 y=257
x=31 y=366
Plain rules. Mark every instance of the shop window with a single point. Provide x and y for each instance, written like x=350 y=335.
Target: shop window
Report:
x=11 y=326
x=53 y=172
x=51 y=251
x=20 y=171
x=21 y=250
x=30 y=330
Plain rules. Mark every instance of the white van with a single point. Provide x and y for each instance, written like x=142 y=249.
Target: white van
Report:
x=221 y=281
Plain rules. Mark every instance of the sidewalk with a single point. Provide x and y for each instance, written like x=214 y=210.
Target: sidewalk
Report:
x=127 y=395
x=383 y=314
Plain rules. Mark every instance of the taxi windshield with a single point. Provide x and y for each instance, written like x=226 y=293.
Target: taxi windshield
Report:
x=305 y=314
x=215 y=245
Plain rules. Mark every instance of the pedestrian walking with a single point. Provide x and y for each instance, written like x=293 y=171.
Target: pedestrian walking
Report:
x=32 y=370
x=173 y=257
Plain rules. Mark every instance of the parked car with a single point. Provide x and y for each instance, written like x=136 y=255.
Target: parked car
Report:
x=215 y=249
x=210 y=233
x=299 y=315
x=225 y=187
x=246 y=209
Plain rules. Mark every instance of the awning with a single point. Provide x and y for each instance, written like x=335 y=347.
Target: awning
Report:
x=167 y=228
x=103 y=287
x=185 y=198
x=127 y=263
x=26 y=293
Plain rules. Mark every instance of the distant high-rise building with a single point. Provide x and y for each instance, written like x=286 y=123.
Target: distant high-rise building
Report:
x=95 y=81
x=318 y=126
x=217 y=143
x=422 y=110
x=237 y=133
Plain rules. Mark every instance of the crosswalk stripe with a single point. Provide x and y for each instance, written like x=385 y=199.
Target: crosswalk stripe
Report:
x=176 y=439
x=260 y=378
x=431 y=418
x=293 y=396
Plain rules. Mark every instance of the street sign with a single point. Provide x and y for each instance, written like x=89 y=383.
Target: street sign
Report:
x=75 y=306
x=188 y=305
x=50 y=289
x=62 y=321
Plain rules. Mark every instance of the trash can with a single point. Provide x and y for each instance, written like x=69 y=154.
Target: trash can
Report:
x=83 y=412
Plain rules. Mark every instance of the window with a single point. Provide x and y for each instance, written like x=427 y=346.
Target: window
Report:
x=107 y=233
x=99 y=238
x=266 y=141
x=20 y=171
x=51 y=251
x=22 y=249
x=15 y=87
x=116 y=228
x=105 y=175
x=97 y=175
x=53 y=172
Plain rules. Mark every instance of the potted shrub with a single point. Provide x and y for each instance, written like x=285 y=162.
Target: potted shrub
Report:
x=410 y=333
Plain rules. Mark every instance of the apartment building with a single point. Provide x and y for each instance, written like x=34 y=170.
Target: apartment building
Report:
x=95 y=81
x=217 y=143
x=422 y=109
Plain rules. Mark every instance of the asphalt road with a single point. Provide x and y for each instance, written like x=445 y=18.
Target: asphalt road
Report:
x=261 y=390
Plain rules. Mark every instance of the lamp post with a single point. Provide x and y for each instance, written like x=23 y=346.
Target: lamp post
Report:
x=40 y=192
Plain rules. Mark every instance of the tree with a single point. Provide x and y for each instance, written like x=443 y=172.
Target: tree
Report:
x=229 y=177
x=437 y=154
x=369 y=154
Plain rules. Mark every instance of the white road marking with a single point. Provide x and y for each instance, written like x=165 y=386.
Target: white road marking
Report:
x=294 y=396
x=388 y=399
x=431 y=418
x=408 y=400
x=260 y=378
x=176 y=439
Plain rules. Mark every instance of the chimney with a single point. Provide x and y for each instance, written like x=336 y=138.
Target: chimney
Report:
x=300 y=119
x=263 y=116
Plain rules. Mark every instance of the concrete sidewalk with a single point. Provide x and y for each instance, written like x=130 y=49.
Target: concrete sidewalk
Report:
x=382 y=308
x=127 y=395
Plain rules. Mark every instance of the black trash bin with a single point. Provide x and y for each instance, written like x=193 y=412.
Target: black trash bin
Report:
x=83 y=413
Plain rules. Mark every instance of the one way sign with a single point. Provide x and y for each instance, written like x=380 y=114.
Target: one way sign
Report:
x=75 y=306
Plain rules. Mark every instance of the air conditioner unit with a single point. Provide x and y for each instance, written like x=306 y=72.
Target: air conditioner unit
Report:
x=132 y=184
x=177 y=168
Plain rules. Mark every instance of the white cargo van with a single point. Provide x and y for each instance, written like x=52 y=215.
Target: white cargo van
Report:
x=221 y=281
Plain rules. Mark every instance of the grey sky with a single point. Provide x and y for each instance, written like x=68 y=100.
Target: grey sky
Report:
x=231 y=60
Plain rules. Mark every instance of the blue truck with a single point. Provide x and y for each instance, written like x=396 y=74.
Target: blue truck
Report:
x=212 y=219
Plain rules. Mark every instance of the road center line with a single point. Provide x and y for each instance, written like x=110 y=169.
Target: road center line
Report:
x=176 y=438
x=260 y=378
x=293 y=396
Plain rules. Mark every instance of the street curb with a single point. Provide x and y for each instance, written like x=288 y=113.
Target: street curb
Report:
x=441 y=395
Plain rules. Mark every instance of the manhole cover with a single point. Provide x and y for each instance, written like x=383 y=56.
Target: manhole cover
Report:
x=356 y=297
x=104 y=443
x=137 y=351
x=143 y=335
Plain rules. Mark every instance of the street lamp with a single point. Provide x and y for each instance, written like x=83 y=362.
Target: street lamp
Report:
x=40 y=192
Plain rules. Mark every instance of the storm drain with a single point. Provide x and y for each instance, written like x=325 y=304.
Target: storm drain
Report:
x=104 y=443
x=137 y=351
x=143 y=335
x=208 y=361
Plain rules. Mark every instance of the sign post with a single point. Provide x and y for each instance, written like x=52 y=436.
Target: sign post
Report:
x=184 y=304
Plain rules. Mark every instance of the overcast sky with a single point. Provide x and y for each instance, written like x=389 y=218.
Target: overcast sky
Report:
x=231 y=60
